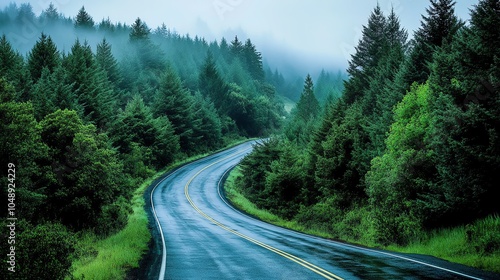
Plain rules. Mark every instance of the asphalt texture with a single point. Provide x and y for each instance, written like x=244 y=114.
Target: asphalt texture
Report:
x=203 y=237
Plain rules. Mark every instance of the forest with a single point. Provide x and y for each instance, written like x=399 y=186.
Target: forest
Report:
x=408 y=142
x=85 y=122
x=412 y=145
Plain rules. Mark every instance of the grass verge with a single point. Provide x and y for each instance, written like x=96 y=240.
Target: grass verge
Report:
x=476 y=245
x=245 y=205
x=112 y=257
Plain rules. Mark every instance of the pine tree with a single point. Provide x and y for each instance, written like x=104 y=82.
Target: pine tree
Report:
x=253 y=60
x=369 y=50
x=43 y=98
x=209 y=127
x=106 y=26
x=236 y=49
x=91 y=85
x=175 y=102
x=139 y=30
x=212 y=85
x=12 y=66
x=465 y=78
x=105 y=59
x=51 y=15
x=84 y=20
x=154 y=136
x=438 y=27
x=25 y=14
x=44 y=54
x=308 y=106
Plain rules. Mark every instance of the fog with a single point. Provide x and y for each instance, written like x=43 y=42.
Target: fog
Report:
x=297 y=36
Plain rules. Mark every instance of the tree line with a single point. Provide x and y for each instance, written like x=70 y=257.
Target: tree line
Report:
x=411 y=146
x=86 y=125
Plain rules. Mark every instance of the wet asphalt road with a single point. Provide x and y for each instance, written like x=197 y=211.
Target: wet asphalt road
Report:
x=205 y=238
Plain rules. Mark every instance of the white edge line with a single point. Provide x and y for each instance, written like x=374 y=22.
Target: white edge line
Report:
x=339 y=243
x=164 y=248
x=161 y=276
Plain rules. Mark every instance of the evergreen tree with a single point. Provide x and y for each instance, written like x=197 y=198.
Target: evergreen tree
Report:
x=105 y=59
x=209 y=127
x=44 y=54
x=465 y=78
x=91 y=85
x=51 y=15
x=12 y=67
x=175 y=102
x=212 y=85
x=236 y=49
x=253 y=60
x=438 y=27
x=155 y=137
x=369 y=50
x=308 y=106
x=84 y=20
x=25 y=14
x=139 y=30
x=106 y=26
x=42 y=97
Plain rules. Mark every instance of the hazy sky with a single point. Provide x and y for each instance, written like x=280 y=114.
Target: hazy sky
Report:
x=321 y=31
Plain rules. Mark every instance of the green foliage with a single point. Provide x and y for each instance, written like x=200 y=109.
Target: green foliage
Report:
x=175 y=102
x=58 y=110
x=105 y=59
x=156 y=143
x=12 y=66
x=93 y=90
x=140 y=30
x=304 y=115
x=86 y=173
x=212 y=85
x=285 y=183
x=44 y=54
x=21 y=145
x=255 y=167
x=308 y=106
x=84 y=20
x=44 y=251
x=398 y=181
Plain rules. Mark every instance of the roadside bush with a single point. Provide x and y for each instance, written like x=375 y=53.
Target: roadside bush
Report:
x=321 y=216
x=484 y=235
x=42 y=252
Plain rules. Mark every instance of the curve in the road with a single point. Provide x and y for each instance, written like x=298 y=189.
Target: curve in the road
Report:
x=202 y=237
x=304 y=263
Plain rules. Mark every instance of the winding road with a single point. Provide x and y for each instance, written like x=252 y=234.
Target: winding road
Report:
x=202 y=237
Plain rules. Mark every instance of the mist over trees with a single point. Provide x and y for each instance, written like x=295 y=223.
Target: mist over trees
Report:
x=411 y=146
x=91 y=108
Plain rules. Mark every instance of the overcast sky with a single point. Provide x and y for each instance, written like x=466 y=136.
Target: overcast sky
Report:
x=321 y=31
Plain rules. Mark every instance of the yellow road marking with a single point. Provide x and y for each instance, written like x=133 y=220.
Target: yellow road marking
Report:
x=304 y=263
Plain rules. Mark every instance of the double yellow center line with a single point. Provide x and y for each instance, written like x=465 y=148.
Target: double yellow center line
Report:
x=304 y=263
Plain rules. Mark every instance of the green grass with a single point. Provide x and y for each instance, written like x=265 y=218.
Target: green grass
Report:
x=476 y=245
x=242 y=203
x=114 y=256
